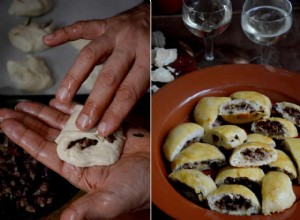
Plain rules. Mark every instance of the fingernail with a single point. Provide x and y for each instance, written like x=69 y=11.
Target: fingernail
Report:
x=49 y=37
x=63 y=94
x=102 y=128
x=83 y=121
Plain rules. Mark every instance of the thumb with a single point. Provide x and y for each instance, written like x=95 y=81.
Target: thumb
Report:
x=103 y=204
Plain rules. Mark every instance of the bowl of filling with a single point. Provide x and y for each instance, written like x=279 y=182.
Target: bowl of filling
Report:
x=225 y=144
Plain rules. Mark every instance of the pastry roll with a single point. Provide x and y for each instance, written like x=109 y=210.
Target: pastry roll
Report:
x=252 y=154
x=261 y=138
x=283 y=164
x=87 y=148
x=292 y=146
x=245 y=107
x=234 y=200
x=206 y=112
x=289 y=111
x=250 y=177
x=277 y=193
x=197 y=182
x=226 y=136
x=30 y=8
x=274 y=127
x=199 y=156
x=180 y=137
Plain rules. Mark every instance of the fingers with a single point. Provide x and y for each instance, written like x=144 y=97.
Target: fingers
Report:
x=97 y=205
x=132 y=88
x=91 y=55
x=48 y=133
x=81 y=29
x=112 y=74
x=49 y=115
x=35 y=144
x=66 y=108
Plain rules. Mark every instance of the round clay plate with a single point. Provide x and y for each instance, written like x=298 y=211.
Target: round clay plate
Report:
x=174 y=104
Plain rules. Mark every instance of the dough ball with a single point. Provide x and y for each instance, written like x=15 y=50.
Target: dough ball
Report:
x=28 y=38
x=30 y=74
x=30 y=7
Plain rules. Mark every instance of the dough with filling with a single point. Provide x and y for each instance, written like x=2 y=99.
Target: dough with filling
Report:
x=87 y=148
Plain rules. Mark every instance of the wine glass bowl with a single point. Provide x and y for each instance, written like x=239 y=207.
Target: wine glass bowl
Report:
x=265 y=22
x=207 y=19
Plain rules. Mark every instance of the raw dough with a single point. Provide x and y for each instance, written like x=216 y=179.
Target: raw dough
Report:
x=102 y=152
x=28 y=38
x=30 y=74
x=30 y=7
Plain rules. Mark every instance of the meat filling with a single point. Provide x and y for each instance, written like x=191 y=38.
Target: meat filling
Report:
x=233 y=204
x=203 y=165
x=84 y=143
x=272 y=128
x=254 y=186
x=255 y=154
x=294 y=113
x=110 y=138
x=186 y=191
x=242 y=106
x=267 y=169
x=190 y=142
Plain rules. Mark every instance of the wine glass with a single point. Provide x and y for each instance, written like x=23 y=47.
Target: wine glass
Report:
x=207 y=19
x=265 y=22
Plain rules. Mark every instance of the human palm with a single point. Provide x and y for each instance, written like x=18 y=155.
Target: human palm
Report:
x=111 y=190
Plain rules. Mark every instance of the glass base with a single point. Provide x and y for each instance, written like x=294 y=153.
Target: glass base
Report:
x=221 y=57
x=268 y=62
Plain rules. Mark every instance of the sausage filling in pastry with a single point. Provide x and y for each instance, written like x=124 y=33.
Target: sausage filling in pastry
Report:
x=203 y=165
x=233 y=203
x=270 y=127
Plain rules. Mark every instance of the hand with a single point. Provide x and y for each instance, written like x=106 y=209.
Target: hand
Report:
x=111 y=190
x=123 y=42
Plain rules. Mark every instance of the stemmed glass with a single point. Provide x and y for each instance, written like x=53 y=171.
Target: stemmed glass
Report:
x=265 y=22
x=207 y=19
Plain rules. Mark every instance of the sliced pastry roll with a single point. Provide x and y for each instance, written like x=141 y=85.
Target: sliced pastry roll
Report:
x=234 y=200
x=289 y=111
x=277 y=193
x=252 y=154
x=193 y=183
x=282 y=164
x=292 y=146
x=226 y=136
x=199 y=156
x=206 y=112
x=180 y=137
x=261 y=138
x=274 y=127
x=250 y=177
x=245 y=107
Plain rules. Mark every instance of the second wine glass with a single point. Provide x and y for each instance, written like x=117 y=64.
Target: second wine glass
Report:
x=207 y=19
x=265 y=22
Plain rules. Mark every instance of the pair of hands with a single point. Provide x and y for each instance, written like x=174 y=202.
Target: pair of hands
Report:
x=123 y=42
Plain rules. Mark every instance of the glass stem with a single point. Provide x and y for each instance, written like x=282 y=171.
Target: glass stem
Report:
x=264 y=52
x=209 y=48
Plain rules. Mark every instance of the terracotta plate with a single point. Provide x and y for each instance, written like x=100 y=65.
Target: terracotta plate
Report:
x=174 y=104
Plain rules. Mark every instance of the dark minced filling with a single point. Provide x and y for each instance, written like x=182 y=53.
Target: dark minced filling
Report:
x=270 y=127
x=219 y=121
x=233 y=204
x=200 y=165
x=252 y=185
x=84 y=143
x=242 y=106
x=186 y=191
x=267 y=168
x=294 y=113
x=190 y=142
x=257 y=154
